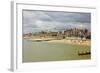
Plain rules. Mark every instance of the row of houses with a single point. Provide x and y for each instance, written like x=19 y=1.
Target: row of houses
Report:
x=75 y=32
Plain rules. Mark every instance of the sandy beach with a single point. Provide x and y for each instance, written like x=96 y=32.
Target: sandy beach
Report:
x=65 y=41
x=73 y=42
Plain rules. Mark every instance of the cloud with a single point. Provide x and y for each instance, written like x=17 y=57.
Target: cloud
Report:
x=35 y=21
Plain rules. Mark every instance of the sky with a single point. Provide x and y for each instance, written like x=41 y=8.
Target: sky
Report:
x=36 y=21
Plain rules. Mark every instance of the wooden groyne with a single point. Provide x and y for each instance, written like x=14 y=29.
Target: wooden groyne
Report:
x=84 y=53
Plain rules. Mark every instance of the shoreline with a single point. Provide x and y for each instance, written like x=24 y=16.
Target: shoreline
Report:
x=64 y=41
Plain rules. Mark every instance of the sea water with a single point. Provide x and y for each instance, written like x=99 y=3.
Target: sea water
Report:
x=37 y=51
